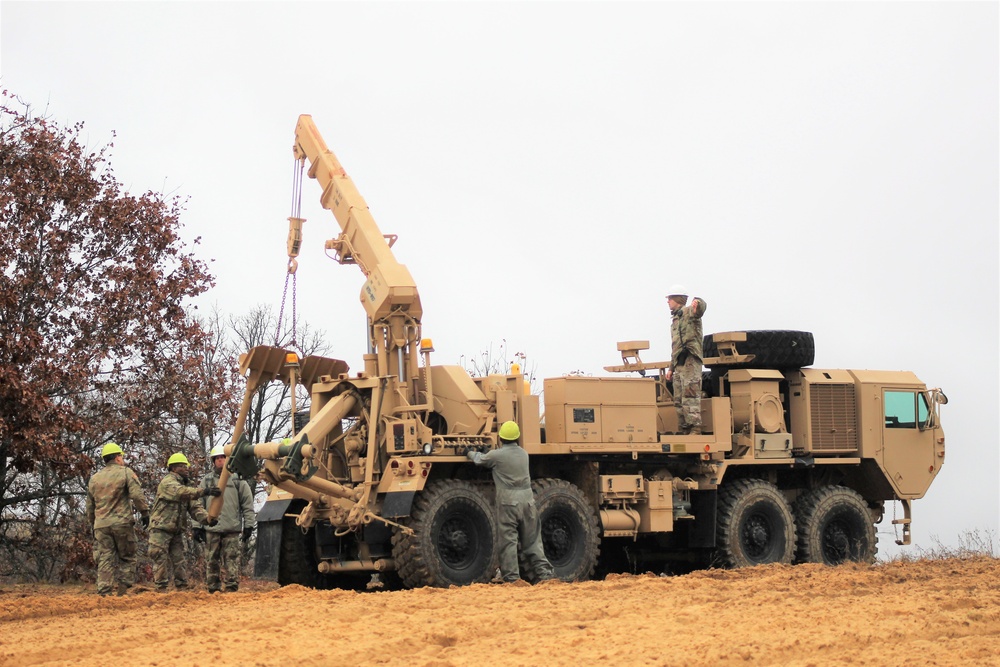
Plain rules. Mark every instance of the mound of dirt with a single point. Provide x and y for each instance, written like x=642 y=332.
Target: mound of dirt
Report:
x=936 y=612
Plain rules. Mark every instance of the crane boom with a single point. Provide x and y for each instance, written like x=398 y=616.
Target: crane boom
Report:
x=389 y=285
x=389 y=294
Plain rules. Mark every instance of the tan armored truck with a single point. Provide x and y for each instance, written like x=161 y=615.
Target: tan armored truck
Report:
x=794 y=465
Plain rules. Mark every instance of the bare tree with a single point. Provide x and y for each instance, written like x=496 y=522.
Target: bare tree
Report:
x=496 y=361
x=270 y=413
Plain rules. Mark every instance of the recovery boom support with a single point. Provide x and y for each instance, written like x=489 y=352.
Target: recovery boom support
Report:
x=389 y=294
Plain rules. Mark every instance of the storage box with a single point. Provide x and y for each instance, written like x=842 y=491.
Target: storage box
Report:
x=615 y=410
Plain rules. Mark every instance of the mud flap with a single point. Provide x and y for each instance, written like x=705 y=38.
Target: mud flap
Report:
x=397 y=504
x=269 y=539
x=703 y=507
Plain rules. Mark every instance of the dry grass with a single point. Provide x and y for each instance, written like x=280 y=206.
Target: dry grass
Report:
x=976 y=543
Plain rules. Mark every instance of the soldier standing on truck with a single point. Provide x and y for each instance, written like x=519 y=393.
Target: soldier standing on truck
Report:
x=175 y=500
x=224 y=541
x=685 y=359
x=112 y=495
x=516 y=511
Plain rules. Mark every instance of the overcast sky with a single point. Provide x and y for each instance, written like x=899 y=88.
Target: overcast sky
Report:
x=551 y=168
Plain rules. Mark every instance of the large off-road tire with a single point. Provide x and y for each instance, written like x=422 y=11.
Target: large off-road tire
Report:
x=297 y=557
x=454 y=540
x=570 y=531
x=780 y=350
x=754 y=525
x=834 y=526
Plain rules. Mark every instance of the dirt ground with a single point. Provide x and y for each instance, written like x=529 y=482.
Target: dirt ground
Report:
x=933 y=612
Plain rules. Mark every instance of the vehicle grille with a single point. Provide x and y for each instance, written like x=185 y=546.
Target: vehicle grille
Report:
x=834 y=418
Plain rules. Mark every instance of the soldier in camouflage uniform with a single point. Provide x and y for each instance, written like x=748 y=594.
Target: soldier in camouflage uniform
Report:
x=112 y=495
x=224 y=541
x=686 y=355
x=174 y=502
x=516 y=511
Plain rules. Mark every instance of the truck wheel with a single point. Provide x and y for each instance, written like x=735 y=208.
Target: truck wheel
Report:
x=297 y=557
x=755 y=525
x=780 y=350
x=570 y=533
x=834 y=527
x=454 y=540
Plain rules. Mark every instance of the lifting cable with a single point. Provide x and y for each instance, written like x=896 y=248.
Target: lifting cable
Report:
x=294 y=244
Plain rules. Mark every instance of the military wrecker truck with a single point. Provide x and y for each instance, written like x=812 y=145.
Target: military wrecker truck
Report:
x=795 y=463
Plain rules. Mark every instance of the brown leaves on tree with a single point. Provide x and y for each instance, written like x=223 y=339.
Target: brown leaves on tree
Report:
x=95 y=340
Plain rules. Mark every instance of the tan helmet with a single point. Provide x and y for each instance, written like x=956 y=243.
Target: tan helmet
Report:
x=218 y=450
x=509 y=431
x=177 y=458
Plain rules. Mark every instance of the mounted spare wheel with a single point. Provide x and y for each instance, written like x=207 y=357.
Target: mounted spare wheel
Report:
x=780 y=350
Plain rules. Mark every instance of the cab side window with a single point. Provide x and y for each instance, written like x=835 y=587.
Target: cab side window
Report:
x=901 y=409
x=923 y=409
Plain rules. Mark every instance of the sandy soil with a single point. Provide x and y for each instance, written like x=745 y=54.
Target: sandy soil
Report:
x=942 y=612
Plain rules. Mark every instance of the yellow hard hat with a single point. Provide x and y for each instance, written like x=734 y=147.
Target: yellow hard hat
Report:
x=509 y=431
x=111 y=448
x=218 y=450
x=177 y=458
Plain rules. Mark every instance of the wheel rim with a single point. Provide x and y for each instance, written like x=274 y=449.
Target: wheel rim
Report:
x=557 y=538
x=757 y=536
x=457 y=541
x=840 y=541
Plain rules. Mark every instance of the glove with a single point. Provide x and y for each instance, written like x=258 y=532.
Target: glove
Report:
x=199 y=535
x=212 y=522
x=247 y=532
x=144 y=520
x=211 y=491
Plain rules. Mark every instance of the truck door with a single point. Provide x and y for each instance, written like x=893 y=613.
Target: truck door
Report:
x=908 y=448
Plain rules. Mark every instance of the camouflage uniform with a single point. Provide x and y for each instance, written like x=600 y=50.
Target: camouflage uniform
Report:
x=223 y=546
x=167 y=525
x=112 y=493
x=517 y=514
x=686 y=345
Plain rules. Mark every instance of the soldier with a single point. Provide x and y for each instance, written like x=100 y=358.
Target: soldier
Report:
x=686 y=354
x=516 y=511
x=174 y=502
x=223 y=542
x=112 y=495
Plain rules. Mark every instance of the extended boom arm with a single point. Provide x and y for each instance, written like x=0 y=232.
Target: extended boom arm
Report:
x=389 y=294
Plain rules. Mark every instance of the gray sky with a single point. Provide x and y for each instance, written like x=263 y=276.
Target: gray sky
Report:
x=550 y=168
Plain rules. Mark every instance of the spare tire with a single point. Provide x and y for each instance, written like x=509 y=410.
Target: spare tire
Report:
x=780 y=350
